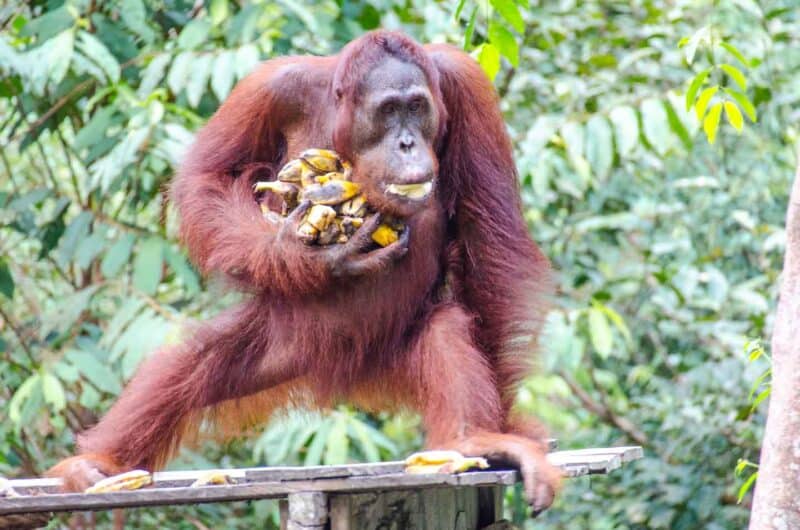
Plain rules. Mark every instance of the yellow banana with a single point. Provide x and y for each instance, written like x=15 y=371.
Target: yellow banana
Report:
x=331 y=192
x=132 y=480
x=385 y=235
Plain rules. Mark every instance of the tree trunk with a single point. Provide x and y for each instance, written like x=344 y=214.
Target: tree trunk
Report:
x=776 y=505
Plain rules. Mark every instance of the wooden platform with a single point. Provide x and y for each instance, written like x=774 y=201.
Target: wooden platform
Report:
x=335 y=497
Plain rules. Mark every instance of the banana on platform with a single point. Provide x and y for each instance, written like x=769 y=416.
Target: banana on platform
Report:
x=443 y=462
x=212 y=478
x=131 y=480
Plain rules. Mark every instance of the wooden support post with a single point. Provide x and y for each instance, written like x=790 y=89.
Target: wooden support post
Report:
x=307 y=510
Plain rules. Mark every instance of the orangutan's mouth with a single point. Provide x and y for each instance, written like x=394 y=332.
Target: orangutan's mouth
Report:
x=415 y=192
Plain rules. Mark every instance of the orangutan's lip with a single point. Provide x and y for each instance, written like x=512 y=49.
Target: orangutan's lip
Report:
x=416 y=191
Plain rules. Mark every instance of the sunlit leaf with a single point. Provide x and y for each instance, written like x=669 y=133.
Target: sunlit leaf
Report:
x=701 y=104
x=733 y=50
x=53 y=392
x=509 y=11
x=489 y=59
x=743 y=102
x=734 y=115
x=711 y=122
x=746 y=487
x=735 y=74
x=505 y=42
x=218 y=11
x=600 y=332
x=697 y=82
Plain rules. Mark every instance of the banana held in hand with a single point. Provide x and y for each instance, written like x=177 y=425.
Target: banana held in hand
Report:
x=132 y=480
x=320 y=176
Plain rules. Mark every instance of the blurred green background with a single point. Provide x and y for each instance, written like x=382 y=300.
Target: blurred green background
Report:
x=667 y=245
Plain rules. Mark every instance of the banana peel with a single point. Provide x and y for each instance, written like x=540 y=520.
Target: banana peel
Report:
x=321 y=177
x=426 y=462
x=131 y=480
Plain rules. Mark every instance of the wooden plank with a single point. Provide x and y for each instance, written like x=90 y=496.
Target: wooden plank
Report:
x=179 y=478
x=265 y=483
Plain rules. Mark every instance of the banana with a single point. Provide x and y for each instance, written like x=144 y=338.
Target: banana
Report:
x=355 y=207
x=321 y=160
x=132 y=480
x=320 y=216
x=331 y=192
x=338 y=208
x=442 y=462
x=292 y=171
x=385 y=235
x=212 y=478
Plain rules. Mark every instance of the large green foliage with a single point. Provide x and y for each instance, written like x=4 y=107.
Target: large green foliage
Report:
x=666 y=248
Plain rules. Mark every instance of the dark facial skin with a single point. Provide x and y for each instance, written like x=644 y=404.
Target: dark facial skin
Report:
x=394 y=127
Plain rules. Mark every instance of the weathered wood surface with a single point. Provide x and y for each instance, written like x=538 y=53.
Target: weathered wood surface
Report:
x=38 y=495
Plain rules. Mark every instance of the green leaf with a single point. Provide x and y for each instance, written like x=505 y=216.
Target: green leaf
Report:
x=194 y=34
x=97 y=52
x=153 y=74
x=338 y=444
x=711 y=122
x=317 y=446
x=246 y=59
x=53 y=392
x=470 y=30
x=489 y=59
x=198 y=78
x=626 y=129
x=134 y=15
x=117 y=256
x=179 y=71
x=73 y=235
x=701 y=104
x=147 y=265
x=88 y=249
x=744 y=103
x=459 y=8
x=96 y=372
x=746 y=486
x=223 y=77
x=677 y=125
x=505 y=42
x=656 y=126
x=730 y=48
x=95 y=129
x=735 y=74
x=600 y=332
x=697 y=82
x=218 y=10
x=734 y=115
x=183 y=270
x=599 y=146
x=509 y=11
x=30 y=386
x=6 y=280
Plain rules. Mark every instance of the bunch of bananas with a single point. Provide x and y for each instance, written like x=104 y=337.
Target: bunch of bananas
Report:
x=338 y=207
